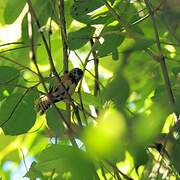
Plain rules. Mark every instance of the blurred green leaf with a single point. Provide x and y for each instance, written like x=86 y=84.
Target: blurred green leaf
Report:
x=148 y=127
x=33 y=173
x=138 y=44
x=54 y=121
x=79 y=38
x=106 y=138
x=111 y=40
x=115 y=54
x=68 y=161
x=117 y=90
x=3 y=6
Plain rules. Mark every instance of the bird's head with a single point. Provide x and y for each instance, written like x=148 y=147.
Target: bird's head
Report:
x=76 y=74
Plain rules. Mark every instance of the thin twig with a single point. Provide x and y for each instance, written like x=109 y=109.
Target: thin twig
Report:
x=41 y=77
x=11 y=43
x=117 y=169
x=44 y=39
x=21 y=47
x=162 y=62
x=24 y=160
x=62 y=24
x=96 y=70
x=161 y=58
x=52 y=174
x=103 y=172
x=17 y=63
x=33 y=14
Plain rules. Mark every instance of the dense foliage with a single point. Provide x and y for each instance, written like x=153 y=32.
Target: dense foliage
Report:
x=123 y=120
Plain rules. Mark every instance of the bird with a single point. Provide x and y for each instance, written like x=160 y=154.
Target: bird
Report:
x=61 y=91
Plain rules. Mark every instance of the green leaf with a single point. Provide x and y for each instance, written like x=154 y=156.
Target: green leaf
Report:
x=117 y=90
x=88 y=99
x=112 y=2
x=176 y=70
x=148 y=127
x=43 y=10
x=115 y=54
x=111 y=41
x=68 y=161
x=161 y=97
x=12 y=10
x=54 y=121
x=8 y=75
x=84 y=7
x=24 y=31
x=175 y=154
x=3 y=6
x=137 y=44
x=79 y=38
x=17 y=115
x=139 y=153
x=33 y=173
x=81 y=12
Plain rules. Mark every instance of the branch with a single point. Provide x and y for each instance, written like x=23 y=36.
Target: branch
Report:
x=117 y=170
x=21 y=47
x=161 y=57
x=96 y=71
x=35 y=63
x=7 y=44
x=44 y=39
x=62 y=24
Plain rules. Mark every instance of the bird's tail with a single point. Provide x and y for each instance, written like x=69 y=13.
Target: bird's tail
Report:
x=43 y=104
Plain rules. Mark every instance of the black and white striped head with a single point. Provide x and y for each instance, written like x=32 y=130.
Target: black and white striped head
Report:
x=76 y=74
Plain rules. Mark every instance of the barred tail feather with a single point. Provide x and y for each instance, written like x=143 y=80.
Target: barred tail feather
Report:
x=43 y=104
